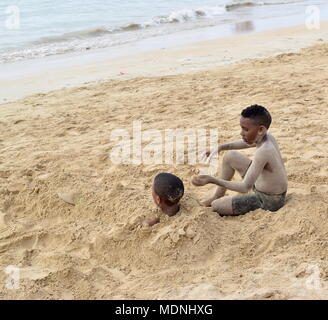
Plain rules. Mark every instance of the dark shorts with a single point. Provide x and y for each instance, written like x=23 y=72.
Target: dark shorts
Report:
x=244 y=203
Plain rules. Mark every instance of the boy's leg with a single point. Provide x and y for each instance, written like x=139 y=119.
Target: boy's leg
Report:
x=232 y=161
x=236 y=205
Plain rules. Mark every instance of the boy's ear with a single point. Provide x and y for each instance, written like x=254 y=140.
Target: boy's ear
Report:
x=158 y=199
x=262 y=130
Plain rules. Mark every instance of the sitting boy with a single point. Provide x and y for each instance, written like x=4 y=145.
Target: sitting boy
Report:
x=266 y=174
x=167 y=191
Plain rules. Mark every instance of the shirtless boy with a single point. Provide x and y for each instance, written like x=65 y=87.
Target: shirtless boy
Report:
x=265 y=174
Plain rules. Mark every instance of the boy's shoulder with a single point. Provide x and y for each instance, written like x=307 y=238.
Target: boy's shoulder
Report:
x=270 y=136
x=270 y=141
x=268 y=145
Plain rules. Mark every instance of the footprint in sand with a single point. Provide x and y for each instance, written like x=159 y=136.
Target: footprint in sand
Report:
x=5 y=174
x=25 y=242
x=15 y=188
x=54 y=241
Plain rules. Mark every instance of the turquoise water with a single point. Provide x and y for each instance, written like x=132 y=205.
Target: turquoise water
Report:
x=37 y=28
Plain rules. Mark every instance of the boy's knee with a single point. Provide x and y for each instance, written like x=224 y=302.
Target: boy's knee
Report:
x=221 y=207
x=215 y=205
x=230 y=155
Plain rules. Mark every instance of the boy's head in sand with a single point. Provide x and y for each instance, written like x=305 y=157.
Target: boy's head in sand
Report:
x=167 y=191
x=255 y=122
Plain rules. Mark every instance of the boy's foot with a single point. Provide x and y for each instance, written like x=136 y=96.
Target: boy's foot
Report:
x=208 y=202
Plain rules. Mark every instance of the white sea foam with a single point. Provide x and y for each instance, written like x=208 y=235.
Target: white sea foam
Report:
x=114 y=26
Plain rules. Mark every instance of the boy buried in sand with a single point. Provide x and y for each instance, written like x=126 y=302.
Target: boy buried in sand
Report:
x=266 y=174
x=167 y=191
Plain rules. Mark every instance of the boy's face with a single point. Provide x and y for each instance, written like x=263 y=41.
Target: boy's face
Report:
x=249 y=130
x=160 y=203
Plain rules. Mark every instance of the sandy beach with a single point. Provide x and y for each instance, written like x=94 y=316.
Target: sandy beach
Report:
x=21 y=79
x=59 y=142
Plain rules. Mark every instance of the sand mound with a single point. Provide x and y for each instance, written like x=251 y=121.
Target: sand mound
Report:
x=93 y=246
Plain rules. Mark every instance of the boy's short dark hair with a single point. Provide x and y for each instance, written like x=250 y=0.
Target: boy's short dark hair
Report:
x=259 y=114
x=169 y=188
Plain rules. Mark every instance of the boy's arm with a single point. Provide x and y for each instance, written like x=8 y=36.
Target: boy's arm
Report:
x=253 y=172
x=240 y=144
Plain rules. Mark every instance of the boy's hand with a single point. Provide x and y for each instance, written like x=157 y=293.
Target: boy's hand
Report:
x=201 y=180
x=210 y=153
x=150 y=222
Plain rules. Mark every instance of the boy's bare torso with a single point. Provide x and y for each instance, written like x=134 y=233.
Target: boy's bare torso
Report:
x=273 y=177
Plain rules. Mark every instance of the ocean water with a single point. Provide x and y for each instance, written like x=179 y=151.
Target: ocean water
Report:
x=38 y=28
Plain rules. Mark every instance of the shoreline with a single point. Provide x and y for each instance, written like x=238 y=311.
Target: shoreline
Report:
x=22 y=79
